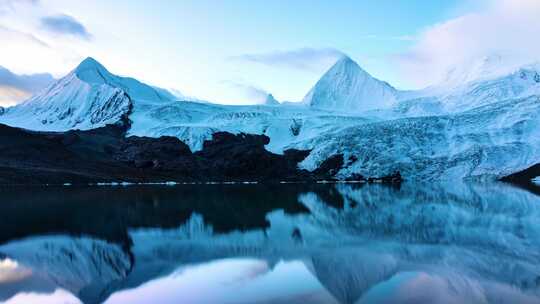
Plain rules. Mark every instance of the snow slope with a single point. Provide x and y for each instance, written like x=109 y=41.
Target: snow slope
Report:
x=480 y=84
x=478 y=124
x=476 y=69
x=88 y=97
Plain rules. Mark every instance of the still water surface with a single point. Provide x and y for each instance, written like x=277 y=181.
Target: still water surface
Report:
x=339 y=243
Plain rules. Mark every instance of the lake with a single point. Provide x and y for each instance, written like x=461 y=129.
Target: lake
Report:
x=283 y=243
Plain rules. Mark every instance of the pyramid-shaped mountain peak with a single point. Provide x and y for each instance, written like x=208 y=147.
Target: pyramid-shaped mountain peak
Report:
x=347 y=87
x=89 y=63
x=346 y=63
x=90 y=70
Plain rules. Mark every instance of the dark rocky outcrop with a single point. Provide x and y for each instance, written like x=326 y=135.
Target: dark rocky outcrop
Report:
x=523 y=178
x=107 y=155
x=392 y=178
x=330 y=167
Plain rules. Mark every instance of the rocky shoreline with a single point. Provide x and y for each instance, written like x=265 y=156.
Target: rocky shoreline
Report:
x=106 y=155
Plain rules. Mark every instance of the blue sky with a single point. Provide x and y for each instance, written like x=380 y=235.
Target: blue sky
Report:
x=234 y=51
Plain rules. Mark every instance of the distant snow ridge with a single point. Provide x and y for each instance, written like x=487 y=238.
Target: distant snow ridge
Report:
x=271 y=101
x=347 y=87
x=482 y=87
x=476 y=69
x=518 y=83
x=178 y=95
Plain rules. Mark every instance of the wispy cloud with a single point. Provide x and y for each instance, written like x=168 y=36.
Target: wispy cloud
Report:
x=11 y=35
x=10 y=5
x=25 y=53
x=65 y=25
x=388 y=38
x=38 y=38
x=504 y=27
x=15 y=88
x=253 y=94
x=302 y=59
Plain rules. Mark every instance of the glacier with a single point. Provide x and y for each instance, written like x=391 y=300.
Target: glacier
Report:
x=480 y=123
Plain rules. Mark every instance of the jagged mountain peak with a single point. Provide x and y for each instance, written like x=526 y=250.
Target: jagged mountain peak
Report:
x=91 y=71
x=348 y=87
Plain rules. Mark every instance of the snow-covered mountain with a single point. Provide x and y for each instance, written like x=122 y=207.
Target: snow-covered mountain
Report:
x=347 y=87
x=482 y=125
x=88 y=97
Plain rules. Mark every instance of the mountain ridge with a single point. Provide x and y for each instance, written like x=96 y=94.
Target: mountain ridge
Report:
x=482 y=121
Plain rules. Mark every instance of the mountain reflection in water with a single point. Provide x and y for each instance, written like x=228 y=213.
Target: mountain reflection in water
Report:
x=335 y=243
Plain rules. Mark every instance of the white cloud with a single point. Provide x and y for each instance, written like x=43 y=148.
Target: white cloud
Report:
x=509 y=28
x=387 y=38
x=303 y=59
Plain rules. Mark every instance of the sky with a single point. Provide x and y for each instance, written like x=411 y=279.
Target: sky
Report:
x=237 y=51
